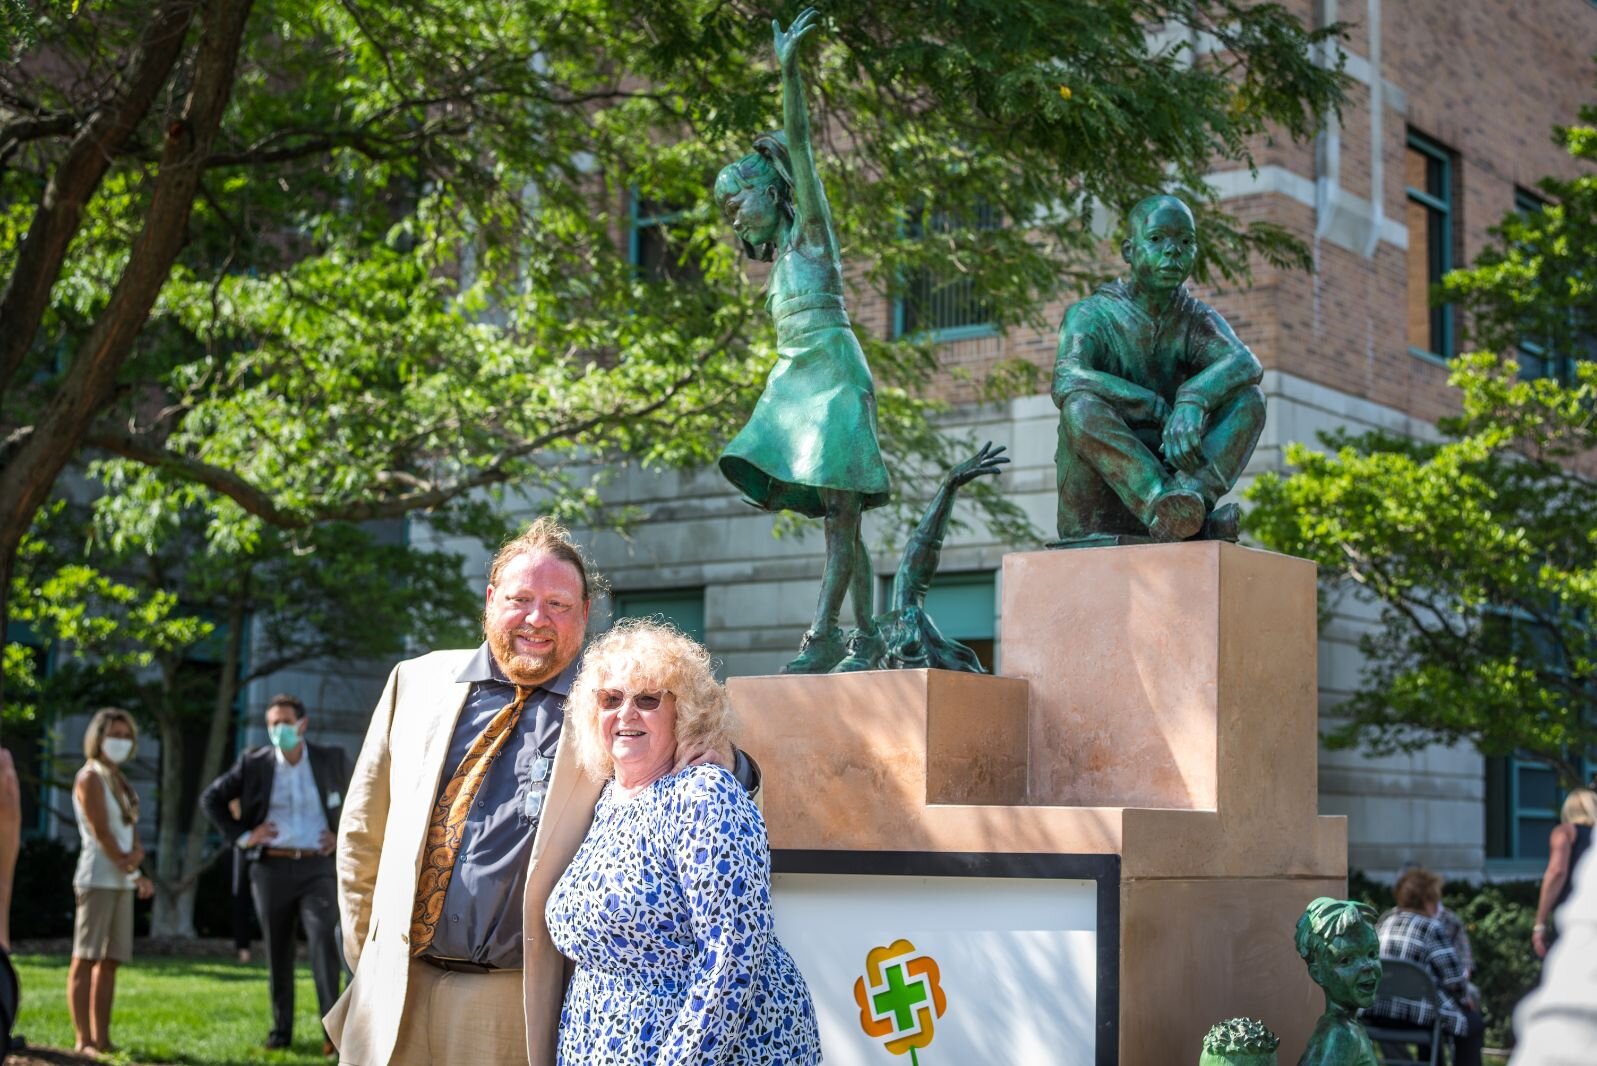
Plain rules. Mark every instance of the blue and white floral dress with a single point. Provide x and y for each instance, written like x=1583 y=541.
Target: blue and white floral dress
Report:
x=666 y=910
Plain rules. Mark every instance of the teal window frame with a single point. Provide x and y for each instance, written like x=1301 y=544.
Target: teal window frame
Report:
x=1549 y=362
x=902 y=327
x=1440 y=200
x=637 y=222
x=1510 y=849
x=1508 y=846
x=666 y=603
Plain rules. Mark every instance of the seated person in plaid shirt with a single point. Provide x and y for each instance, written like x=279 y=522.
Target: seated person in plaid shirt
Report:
x=1411 y=932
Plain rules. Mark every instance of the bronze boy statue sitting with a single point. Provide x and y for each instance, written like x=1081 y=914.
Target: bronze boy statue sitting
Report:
x=1159 y=402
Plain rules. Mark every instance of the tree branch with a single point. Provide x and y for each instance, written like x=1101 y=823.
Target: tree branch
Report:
x=60 y=211
x=15 y=134
x=88 y=386
x=218 y=479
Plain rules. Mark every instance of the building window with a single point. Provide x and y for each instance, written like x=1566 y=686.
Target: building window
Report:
x=944 y=304
x=1522 y=806
x=1431 y=201
x=652 y=247
x=965 y=608
x=683 y=608
x=1522 y=795
x=1537 y=356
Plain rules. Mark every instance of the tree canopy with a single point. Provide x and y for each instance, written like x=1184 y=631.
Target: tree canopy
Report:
x=331 y=260
x=1480 y=548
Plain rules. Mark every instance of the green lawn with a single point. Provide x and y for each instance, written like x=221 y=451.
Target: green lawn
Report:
x=204 y=1012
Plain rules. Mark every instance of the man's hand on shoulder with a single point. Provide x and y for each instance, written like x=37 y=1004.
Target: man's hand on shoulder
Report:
x=702 y=754
x=738 y=763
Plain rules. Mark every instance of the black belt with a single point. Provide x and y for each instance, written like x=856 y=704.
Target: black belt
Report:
x=459 y=965
x=292 y=853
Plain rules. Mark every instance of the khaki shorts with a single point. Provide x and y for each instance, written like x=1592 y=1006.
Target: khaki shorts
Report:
x=103 y=925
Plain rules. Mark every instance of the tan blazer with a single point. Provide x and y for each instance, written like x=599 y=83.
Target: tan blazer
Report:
x=380 y=840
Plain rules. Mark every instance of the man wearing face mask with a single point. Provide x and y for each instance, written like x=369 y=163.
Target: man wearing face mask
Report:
x=290 y=794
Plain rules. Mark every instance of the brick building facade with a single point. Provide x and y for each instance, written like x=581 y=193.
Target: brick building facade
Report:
x=1449 y=119
x=1448 y=128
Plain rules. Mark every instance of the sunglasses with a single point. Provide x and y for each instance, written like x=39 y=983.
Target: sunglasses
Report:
x=643 y=701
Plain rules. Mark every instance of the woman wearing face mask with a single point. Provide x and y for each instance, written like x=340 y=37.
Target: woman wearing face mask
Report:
x=107 y=875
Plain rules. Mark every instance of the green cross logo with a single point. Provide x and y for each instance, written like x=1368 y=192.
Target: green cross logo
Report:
x=899 y=999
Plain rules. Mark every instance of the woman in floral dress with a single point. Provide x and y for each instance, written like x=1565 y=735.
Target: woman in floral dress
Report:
x=666 y=908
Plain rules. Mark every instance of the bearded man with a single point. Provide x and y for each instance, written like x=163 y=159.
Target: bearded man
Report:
x=464 y=810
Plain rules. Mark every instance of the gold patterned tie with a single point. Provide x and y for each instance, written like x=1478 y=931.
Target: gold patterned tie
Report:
x=449 y=820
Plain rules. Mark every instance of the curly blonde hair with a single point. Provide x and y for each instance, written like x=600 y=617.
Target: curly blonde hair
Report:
x=643 y=655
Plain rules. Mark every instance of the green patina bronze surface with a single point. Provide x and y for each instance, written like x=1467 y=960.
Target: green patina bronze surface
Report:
x=907 y=638
x=810 y=446
x=1239 y=1042
x=1336 y=937
x=1159 y=402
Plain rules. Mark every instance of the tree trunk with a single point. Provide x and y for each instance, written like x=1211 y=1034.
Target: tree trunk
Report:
x=60 y=212
x=88 y=386
x=175 y=892
x=173 y=915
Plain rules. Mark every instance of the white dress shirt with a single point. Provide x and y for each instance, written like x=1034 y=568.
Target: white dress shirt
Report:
x=295 y=808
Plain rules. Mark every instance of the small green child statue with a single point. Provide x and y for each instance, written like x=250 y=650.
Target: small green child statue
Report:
x=1336 y=937
x=810 y=446
x=1239 y=1042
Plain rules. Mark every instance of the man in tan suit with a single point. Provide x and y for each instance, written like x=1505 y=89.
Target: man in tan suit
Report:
x=464 y=810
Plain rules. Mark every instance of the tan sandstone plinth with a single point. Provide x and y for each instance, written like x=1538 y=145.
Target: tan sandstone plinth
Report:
x=1158 y=703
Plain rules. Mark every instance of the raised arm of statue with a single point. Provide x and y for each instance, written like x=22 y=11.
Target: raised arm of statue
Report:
x=809 y=197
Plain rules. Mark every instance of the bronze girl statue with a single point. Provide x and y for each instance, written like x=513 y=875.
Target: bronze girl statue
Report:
x=810 y=445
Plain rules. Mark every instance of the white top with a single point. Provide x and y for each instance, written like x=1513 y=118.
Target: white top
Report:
x=95 y=868
x=1557 y=1023
x=295 y=808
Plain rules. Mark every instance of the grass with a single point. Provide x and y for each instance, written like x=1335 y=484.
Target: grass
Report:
x=197 y=1012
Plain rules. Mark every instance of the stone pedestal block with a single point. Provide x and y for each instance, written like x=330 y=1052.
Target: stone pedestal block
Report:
x=1178 y=676
x=1158 y=703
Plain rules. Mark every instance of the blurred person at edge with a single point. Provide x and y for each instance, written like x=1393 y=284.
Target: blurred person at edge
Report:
x=289 y=794
x=10 y=844
x=1557 y=1023
x=1411 y=932
x=1568 y=841
x=107 y=875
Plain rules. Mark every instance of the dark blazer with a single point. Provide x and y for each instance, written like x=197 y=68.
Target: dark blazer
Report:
x=250 y=782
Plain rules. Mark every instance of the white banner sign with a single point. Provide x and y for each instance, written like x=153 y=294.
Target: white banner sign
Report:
x=946 y=971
